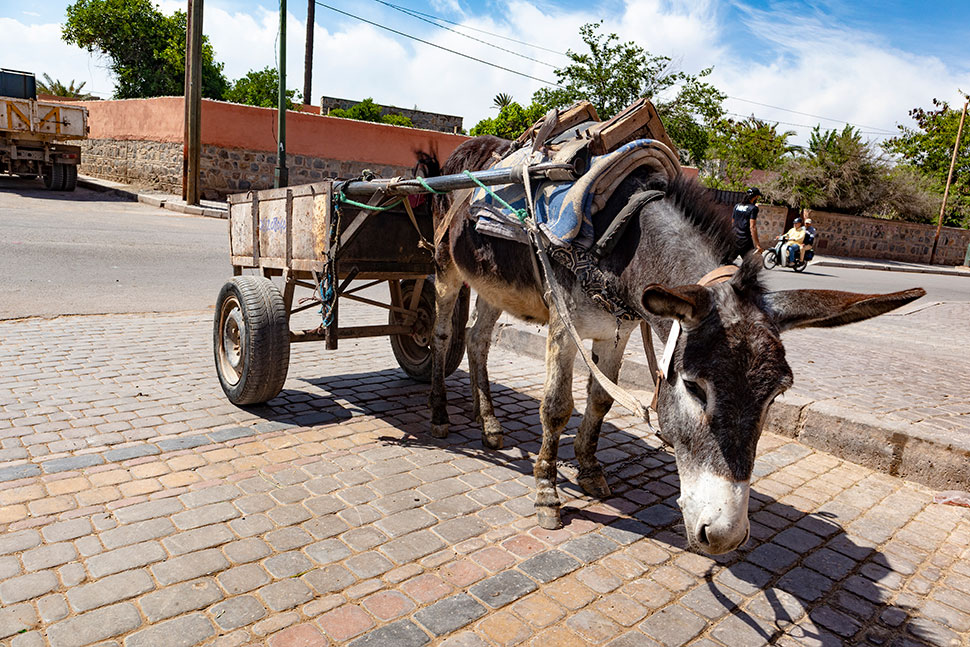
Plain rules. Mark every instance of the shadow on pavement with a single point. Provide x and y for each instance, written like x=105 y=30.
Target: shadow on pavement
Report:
x=802 y=563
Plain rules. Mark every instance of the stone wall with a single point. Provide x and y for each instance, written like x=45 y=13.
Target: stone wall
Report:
x=146 y=164
x=420 y=118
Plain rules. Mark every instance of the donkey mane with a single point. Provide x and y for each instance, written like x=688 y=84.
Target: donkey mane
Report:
x=695 y=202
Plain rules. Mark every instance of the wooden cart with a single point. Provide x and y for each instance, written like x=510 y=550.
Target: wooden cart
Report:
x=297 y=234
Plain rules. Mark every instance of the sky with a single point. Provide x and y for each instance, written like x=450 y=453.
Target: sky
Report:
x=828 y=62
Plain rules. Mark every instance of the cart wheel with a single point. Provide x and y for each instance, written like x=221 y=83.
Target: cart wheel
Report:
x=769 y=259
x=251 y=340
x=70 y=177
x=413 y=352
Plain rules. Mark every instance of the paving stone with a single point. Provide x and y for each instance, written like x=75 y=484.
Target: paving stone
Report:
x=450 y=614
x=289 y=515
x=329 y=578
x=176 y=600
x=183 y=442
x=16 y=472
x=9 y=567
x=189 y=567
x=231 y=433
x=455 y=531
x=109 y=590
x=67 y=530
x=673 y=626
x=806 y=584
x=626 y=531
x=658 y=516
x=205 y=515
x=17 y=541
x=499 y=590
x=830 y=563
x=773 y=558
x=16 y=619
x=288 y=538
x=243 y=579
x=137 y=532
x=407 y=521
x=326 y=527
x=27 y=587
x=237 y=612
x=549 y=566
x=797 y=540
x=286 y=594
x=133 y=451
x=53 y=608
x=93 y=626
x=411 y=547
x=206 y=496
x=369 y=564
x=402 y=633
x=288 y=564
x=345 y=622
x=72 y=574
x=328 y=551
x=180 y=632
x=122 y=559
x=70 y=463
x=590 y=548
x=30 y=639
x=148 y=510
x=361 y=539
x=48 y=556
x=246 y=550
x=198 y=538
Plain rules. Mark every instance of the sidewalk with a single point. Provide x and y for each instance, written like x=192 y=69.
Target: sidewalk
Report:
x=889 y=266
x=170 y=201
x=138 y=507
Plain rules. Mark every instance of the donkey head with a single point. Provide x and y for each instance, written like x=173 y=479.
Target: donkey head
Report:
x=727 y=368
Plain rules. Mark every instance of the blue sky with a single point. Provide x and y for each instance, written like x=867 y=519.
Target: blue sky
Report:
x=863 y=62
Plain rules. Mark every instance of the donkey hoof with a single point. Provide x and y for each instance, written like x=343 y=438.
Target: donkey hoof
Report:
x=492 y=436
x=548 y=518
x=439 y=431
x=595 y=486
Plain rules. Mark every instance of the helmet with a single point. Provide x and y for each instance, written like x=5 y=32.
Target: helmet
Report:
x=753 y=192
x=798 y=221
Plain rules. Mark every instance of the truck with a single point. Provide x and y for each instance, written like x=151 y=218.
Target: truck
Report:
x=33 y=132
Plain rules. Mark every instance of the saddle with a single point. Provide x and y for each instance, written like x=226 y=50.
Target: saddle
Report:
x=606 y=153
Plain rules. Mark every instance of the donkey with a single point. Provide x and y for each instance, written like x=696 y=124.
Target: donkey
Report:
x=728 y=364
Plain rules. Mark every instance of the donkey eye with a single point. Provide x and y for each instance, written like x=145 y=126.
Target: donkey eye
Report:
x=696 y=390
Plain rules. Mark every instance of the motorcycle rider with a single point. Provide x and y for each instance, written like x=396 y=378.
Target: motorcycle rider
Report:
x=795 y=239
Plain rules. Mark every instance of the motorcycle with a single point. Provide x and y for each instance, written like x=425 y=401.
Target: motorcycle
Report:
x=776 y=256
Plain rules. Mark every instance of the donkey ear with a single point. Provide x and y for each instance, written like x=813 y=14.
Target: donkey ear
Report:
x=687 y=303
x=828 y=308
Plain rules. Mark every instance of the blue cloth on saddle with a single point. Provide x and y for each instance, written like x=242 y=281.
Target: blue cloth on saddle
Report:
x=563 y=210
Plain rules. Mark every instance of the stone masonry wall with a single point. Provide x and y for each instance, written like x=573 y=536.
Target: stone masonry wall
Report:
x=420 y=118
x=148 y=164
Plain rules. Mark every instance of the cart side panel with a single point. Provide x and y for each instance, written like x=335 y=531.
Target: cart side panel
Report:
x=241 y=227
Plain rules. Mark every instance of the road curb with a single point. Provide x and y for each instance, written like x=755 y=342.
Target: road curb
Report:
x=945 y=271
x=904 y=450
x=162 y=201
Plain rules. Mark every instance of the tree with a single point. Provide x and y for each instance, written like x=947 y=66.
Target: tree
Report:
x=740 y=147
x=58 y=89
x=260 y=88
x=928 y=149
x=512 y=120
x=501 y=100
x=367 y=110
x=612 y=75
x=146 y=48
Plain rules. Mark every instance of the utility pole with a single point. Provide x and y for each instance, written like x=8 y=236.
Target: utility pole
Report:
x=281 y=178
x=193 y=104
x=308 y=59
x=949 y=179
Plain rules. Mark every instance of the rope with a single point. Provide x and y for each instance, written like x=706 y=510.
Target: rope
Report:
x=521 y=214
x=427 y=187
x=360 y=205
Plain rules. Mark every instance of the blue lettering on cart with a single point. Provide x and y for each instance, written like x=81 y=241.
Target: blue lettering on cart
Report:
x=276 y=223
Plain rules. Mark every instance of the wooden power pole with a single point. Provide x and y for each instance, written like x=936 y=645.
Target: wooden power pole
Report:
x=949 y=179
x=193 y=104
x=282 y=174
x=308 y=58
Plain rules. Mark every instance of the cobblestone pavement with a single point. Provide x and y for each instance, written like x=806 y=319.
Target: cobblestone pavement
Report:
x=138 y=507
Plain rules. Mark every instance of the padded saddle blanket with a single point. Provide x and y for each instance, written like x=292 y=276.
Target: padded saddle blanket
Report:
x=564 y=210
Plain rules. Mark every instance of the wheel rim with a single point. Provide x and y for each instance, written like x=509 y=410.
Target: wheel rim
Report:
x=417 y=345
x=232 y=329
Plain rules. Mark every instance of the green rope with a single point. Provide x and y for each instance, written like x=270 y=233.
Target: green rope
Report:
x=521 y=214
x=360 y=205
x=427 y=186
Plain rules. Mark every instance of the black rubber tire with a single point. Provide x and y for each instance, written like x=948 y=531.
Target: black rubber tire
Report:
x=70 y=177
x=53 y=176
x=800 y=266
x=769 y=259
x=413 y=352
x=251 y=360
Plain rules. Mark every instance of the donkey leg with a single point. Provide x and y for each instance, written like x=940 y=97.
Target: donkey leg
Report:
x=478 y=340
x=556 y=408
x=447 y=286
x=608 y=356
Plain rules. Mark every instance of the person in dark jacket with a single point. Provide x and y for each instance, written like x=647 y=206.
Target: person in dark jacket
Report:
x=745 y=220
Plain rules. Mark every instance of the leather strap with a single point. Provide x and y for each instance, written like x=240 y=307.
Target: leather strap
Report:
x=718 y=275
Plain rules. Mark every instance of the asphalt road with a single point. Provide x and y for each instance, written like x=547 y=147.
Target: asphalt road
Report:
x=88 y=253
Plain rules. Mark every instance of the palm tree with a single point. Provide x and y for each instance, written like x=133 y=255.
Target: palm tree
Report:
x=501 y=100
x=58 y=89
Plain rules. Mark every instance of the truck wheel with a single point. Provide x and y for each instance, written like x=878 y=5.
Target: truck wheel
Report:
x=413 y=352
x=70 y=177
x=54 y=177
x=251 y=340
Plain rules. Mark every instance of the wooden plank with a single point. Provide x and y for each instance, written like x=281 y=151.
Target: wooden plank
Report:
x=255 y=216
x=353 y=332
x=289 y=227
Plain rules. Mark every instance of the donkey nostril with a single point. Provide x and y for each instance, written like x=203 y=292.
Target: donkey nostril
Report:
x=702 y=535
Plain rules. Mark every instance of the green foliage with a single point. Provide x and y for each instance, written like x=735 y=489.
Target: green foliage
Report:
x=512 y=121
x=260 y=88
x=612 y=75
x=146 y=48
x=841 y=172
x=928 y=149
x=743 y=146
x=367 y=110
x=58 y=89
x=501 y=100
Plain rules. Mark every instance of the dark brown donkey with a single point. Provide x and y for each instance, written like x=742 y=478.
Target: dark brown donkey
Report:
x=728 y=364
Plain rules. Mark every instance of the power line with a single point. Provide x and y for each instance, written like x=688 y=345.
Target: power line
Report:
x=805 y=114
x=788 y=123
x=451 y=51
x=481 y=31
x=413 y=14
